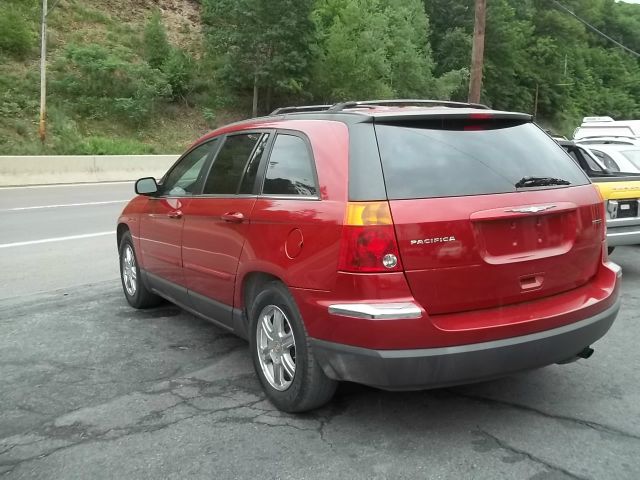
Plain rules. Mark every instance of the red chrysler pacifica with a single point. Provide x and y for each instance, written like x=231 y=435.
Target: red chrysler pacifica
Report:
x=398 y=244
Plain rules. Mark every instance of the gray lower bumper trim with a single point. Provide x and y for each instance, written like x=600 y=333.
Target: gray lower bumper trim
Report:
x=617 y=237
x=436 y=367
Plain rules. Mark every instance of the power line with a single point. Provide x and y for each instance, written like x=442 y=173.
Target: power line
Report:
x=594 y=28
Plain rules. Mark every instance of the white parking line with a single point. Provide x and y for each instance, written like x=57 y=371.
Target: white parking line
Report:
x=56 y=239
x=62 y=205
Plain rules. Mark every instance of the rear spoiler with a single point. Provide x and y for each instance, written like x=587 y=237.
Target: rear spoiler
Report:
x=445 y=114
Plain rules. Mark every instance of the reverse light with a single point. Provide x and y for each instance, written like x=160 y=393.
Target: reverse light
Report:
x=369 y=242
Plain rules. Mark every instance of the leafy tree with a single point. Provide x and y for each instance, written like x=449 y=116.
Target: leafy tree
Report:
x=376 y=49
x=352 y=60
x=506 y=79
x=260 y=44
x=179 y=71
x=156 y=44
x=408 y=49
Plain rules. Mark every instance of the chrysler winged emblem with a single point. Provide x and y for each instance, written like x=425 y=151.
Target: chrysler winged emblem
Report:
x=536 y=209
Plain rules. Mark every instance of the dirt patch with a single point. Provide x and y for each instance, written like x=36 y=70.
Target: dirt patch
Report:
x=181 y=17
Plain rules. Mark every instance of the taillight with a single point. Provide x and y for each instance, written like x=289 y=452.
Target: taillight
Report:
x=368 y=239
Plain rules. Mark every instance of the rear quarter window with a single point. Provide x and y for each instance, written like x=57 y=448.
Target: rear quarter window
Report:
x=457 y=158
x=290 y=168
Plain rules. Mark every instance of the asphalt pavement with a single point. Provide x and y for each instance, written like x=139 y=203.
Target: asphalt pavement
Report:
x=94 y=389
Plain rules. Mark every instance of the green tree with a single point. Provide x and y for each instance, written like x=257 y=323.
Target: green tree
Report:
x=352 y=59
x=506 y=78
x=376 y=49
x=408 y=48
x=156 y=44
x=260 y=44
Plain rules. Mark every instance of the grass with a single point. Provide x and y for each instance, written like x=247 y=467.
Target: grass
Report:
x=111 y=23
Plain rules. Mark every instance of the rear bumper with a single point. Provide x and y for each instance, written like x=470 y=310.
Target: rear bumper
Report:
x=623 y=231
x=437 y=367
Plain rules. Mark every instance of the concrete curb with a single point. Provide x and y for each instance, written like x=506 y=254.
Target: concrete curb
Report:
x=51 y=169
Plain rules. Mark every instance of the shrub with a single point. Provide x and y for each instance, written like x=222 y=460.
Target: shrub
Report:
x=114 y=146
x=99 y=82
x=179 y=70
x=16 y=36
x=156 y=45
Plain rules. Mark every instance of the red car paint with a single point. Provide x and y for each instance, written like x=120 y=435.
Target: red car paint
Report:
x=479 y=274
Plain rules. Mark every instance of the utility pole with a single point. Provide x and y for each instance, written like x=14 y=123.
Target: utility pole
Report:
x=43 y=74
x=477 y=52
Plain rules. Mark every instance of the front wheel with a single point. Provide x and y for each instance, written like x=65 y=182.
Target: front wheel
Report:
x=282 y=355
x=134 y=288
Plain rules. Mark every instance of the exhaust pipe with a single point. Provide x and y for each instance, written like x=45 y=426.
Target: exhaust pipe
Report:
x=585 y=353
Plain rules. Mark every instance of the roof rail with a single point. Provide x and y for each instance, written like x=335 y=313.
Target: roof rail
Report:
x=303 y=108
x=435 y=103
x=338 y=107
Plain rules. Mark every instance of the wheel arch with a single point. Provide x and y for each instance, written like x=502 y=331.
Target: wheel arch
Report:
x=120 y=231
x=252 y=282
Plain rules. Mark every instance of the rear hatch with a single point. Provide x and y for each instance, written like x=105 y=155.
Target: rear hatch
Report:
x=488 y=211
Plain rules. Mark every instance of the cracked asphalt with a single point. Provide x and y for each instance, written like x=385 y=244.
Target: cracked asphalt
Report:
x=94 y=389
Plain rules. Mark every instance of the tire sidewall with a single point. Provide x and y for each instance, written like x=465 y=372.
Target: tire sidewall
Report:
x=134 y=300
x=273 y=294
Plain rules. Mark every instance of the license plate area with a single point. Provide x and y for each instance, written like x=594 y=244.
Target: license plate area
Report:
x=627 y=208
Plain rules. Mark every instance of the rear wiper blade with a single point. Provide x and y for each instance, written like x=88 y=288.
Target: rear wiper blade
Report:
x=525 y=182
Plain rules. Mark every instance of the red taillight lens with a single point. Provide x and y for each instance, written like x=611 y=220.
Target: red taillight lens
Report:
x=368 y=240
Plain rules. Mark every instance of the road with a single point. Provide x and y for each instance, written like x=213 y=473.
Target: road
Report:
x=94 y=389
x=45 y=227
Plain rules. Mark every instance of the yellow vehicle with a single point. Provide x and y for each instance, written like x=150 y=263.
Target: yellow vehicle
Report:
x=621 y=193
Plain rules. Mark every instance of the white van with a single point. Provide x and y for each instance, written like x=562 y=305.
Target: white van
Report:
x=607 y=127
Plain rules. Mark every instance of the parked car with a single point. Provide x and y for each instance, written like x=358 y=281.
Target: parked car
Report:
x=607 y=126
x=398 y=244
x=616 y=156
x=620 y=191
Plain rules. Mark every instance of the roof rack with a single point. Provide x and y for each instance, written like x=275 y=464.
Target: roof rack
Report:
x=376 y=103
x=338 y=107
x=303 y=108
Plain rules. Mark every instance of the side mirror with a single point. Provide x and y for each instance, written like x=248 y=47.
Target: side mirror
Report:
x=146 y=186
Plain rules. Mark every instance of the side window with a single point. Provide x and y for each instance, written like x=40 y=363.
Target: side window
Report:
x=183 y=178
x=290 y=168
x=607 y=160
x=229 y=164
x=591 y=163
x=249 y=178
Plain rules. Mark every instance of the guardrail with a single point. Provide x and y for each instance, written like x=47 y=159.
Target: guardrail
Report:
x=49 y=169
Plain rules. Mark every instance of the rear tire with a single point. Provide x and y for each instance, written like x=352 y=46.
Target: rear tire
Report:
x=282 y=355
x=610 y=250
x=135 y=291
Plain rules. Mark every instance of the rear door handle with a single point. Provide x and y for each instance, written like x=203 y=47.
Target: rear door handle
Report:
x=175 y=214
x=233 y=217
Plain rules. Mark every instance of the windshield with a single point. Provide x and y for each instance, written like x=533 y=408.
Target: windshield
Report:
x=458 y=158
x=633 y=156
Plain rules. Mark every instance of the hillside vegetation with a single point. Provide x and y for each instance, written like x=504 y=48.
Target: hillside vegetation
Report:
x=145 y=76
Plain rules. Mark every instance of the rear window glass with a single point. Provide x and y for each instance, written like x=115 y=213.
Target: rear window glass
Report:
x=454 y=158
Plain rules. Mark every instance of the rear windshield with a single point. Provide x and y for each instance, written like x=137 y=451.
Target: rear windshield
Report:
x=437 y=159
